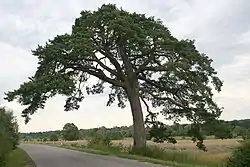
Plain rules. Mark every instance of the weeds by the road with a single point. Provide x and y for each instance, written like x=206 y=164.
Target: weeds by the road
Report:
x=154 y=154
x=19 y=158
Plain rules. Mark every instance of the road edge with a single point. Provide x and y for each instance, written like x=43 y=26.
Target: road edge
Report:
x=20 y=157
x=126 y=156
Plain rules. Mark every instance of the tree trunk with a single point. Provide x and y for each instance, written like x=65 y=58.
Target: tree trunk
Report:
x=138 y=120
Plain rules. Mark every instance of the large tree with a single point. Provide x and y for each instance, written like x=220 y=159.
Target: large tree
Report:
x=134 y=54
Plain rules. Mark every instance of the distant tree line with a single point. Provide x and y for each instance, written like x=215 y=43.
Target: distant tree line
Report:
x=71 y=132
x=219 y=129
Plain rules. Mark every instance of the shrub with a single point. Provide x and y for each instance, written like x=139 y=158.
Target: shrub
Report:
x=98 y=140
x=53 y=137
x=116 y=135
x=74 y=145
x=240 y=156
x=246 y=136
x=8 y=134
x=5 y=147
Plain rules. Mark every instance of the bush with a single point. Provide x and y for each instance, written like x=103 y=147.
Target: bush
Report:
x=8 y=134
x=240 y=156
x=246 y=136
x=5 y=147
x=114 y=135
x=98 y=140
x=53 y=137
x=74 y=145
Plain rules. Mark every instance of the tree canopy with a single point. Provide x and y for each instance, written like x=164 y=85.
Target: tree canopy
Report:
x=137 y=57
x=70 y=132
x=53 y=137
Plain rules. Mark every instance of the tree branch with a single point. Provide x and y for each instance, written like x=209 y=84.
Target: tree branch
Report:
x=152 y=83
x=111 y=58
x=140 y=69
x=125 y=59
x=97 y=73
x=166 y=99
x=145 y=103
x=104 y=66
x=161 y=88
x=155 y=69
x=95 y=59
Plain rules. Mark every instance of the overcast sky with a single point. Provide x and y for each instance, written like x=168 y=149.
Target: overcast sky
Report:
x=221 y=30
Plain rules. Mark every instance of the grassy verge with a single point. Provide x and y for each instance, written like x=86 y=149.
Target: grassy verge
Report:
x=156 y=156
x=19 y=158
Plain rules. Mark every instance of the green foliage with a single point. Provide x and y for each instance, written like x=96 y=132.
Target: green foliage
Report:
x=8 y=134
x=53 y=137
x=179 y=130
x=180 y=157
x=240 y=156
x=245 y=123
x=220 y=129
x=19 y=158
x=239 y=131
x=116 y=135
x=70 y=132
x=246 y=137
x=39 y=135
x=160 y=133
x=100 y=140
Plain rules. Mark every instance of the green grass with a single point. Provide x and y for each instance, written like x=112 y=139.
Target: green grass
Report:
x=19 y=158
x=168 y=158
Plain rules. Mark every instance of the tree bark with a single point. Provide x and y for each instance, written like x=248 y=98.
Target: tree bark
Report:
x=132 y=88
x=138 y=120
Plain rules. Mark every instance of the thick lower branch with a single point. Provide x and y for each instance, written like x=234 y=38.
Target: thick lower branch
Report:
x=111 y=58
x=97 y=73
x=104 y=66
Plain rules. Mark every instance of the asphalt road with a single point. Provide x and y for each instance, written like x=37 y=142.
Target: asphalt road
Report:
x=46 y=156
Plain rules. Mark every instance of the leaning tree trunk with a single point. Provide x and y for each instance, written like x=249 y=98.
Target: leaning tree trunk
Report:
x=138 y=120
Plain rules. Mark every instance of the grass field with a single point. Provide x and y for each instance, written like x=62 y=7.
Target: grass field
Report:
x=184 y=151
x=19 y=158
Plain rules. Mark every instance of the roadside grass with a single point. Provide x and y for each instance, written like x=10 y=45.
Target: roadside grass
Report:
x=153 y=154
x=19 y=158
x=128 y=156
x=182 y=154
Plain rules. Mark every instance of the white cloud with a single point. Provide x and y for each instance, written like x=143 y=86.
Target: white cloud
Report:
x=16 y=64
x=235 y=94
x=244 y=38
x=220 y=28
